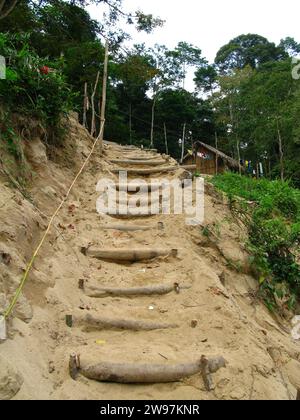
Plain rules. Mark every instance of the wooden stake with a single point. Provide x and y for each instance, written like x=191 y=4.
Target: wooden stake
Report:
x=69 y=321
x=104 y=91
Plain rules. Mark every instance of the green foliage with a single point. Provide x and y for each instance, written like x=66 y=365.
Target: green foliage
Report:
x=33 y=86
x=248 y=50
x=274 y=231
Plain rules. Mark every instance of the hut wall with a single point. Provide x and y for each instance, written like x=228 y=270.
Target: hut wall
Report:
x=190 y=160
x=206 y=161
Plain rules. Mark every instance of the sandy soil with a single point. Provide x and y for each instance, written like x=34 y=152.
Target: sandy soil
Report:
x=231 y=322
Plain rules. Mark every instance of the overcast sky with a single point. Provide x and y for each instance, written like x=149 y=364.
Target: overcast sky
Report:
x=210 y=24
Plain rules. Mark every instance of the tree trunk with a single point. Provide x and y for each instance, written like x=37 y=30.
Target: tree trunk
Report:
x=85 y=104
x=236 y=136
x=183 y=142
x=104 y=92
x=238 y=154
x=130 y=123
x=166 y=139
x=93 y=124
x=280 y=152
x=217 y=157
x=152 y=123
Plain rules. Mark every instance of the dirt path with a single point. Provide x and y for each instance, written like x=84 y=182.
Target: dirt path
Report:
x=225 y=321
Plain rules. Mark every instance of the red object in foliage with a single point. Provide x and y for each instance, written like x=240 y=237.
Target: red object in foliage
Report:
x=44 y=70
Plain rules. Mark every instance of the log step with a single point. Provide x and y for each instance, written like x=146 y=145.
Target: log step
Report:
x=139 y=162
x=148 y=158
x=135 y=373
x=129 y=254
x=152 y=290
x=132 y=228
x=90 y=323
x=189 y=167
x=146 y=171
x=134 y=187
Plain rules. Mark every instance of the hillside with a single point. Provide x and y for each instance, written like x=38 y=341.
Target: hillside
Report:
x=219 y=315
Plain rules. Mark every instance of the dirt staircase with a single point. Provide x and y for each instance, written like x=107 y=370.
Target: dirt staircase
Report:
x=142 y=290
x=138 y=257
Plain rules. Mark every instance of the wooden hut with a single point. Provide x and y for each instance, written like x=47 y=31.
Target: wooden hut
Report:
x=209 y=160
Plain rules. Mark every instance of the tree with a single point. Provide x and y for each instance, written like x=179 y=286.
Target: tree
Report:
x=206 y=78
x=185 y=55
x=248 y=50
x=134 y=73
x=175 y=108
x=290 y=46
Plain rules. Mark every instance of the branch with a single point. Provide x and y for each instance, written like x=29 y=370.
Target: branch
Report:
x=9 y=9
x=2 y=2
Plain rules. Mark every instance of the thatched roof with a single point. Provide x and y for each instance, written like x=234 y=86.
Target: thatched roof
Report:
x=231 y=162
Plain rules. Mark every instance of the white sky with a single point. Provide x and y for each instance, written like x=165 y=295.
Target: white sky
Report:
x=210 y=24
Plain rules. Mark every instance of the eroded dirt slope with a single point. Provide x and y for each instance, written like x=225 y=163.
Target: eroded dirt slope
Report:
x=262 y=358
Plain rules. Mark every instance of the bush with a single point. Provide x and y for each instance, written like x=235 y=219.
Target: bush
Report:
x=274 y=231
x=33 y=86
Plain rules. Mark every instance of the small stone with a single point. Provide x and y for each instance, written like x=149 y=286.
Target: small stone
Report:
x=51 y=367
x=11 y=380
x=194 y=323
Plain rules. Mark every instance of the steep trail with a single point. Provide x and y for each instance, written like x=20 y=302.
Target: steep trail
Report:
x=212 y=319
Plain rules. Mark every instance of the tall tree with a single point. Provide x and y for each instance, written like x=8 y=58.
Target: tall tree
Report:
x=248 y=50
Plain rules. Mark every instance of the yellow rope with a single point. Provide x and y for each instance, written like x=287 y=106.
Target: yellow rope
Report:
x=29 y=266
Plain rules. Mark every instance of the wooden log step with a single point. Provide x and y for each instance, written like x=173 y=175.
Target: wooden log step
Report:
x=143 y=213
x=189 y=167
x=152 y=290
x=90 y=323
x=144 y=201
x=134 y=187
x=139 y=162
x=146 y=171
x=148 y=158
x=129 y=254
x=136 y=373
x=132 y=228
